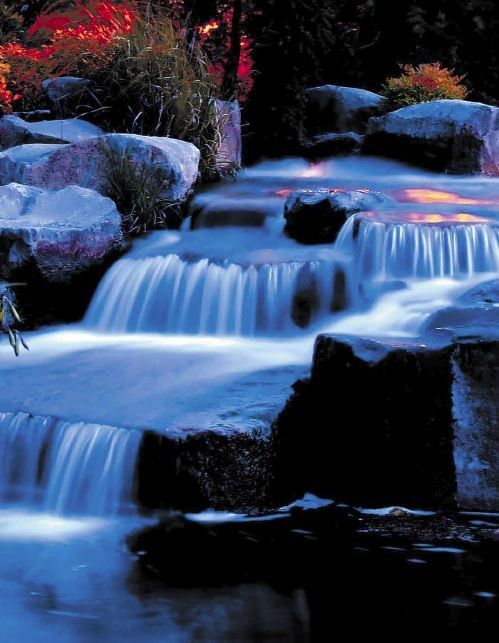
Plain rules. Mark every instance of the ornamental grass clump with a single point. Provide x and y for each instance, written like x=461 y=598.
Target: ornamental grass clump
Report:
x=422 y=84
x=156 y=85
x=137 y=190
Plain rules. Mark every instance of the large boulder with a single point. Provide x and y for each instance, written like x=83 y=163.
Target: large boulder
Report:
x=15 y=131
x=317 y=216
x=59 y=233
x=229 y=155
x=380 y=424
x=332 y=108
x=452 y=136
x=171 y=164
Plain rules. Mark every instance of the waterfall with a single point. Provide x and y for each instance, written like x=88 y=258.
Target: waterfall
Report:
x=167 y=294
x=68 y=468
x=384 y=250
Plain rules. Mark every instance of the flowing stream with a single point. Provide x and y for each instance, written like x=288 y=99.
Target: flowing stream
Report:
x=180 y=333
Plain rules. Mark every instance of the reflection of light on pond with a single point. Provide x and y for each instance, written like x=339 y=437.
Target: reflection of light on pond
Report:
x=425 y=195
x=400 y=216
x=22 y=525
x=315 y=170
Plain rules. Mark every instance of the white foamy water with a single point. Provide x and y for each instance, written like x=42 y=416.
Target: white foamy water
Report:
x=66 y=467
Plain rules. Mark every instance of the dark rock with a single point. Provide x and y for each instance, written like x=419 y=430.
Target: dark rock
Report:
x=34 y=116
x=324 y=145
x=221 y=470
x=317 y=216
x=306 y=300
x=227 y=212
x=454 y=136
x=379 y=424
x=340 y=109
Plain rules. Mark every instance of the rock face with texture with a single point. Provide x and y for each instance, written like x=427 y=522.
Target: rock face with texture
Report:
x=402 y=424
x=454 y=136
x=16 y=161
x=332 y=108
x=15 y=131
x=171 y=163
x=317 y=216
x=61 y=233
x=230 y=152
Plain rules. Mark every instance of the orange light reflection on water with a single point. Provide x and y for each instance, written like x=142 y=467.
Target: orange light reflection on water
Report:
x=426 y=195
x=400 y=216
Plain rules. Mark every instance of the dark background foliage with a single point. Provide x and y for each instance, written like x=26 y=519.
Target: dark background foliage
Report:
x=301 y=43
x=360 y=43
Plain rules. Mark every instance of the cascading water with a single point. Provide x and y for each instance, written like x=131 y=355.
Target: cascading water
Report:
x=66 y=467
x=382 y=249
x=173 y=295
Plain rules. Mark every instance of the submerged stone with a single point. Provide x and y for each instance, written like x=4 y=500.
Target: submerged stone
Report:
x=402 y=423
x=455 y=136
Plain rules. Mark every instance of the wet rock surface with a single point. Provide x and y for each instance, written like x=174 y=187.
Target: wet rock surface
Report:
x=458 y=137
x=435 y=572
x=425 y=433
x=317 y=216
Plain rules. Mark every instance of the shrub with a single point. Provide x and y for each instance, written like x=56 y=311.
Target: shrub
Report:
x=146 y=78
x=422 y=84
x=155 y=84
x=11 y=21
x=137 y=191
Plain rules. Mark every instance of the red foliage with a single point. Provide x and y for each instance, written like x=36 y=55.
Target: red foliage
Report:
x=79 y=40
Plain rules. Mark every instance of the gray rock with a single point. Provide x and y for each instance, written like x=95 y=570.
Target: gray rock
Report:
x=172 y=163
x=332 y=108
x=454 y=136
x=15 y=131
x=317 y=216
x=230 y=152
x=324 y=145
x=64 y=87
x=388 y=424
x=61 y=232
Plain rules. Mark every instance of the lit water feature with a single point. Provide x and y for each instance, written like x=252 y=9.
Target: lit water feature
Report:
x=189 y=329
